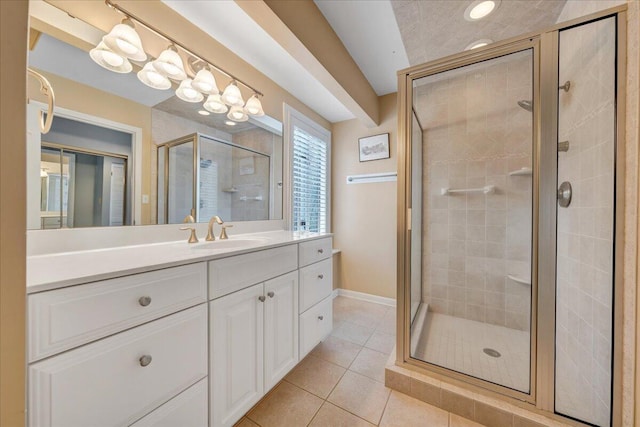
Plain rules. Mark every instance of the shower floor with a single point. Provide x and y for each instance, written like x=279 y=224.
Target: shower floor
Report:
x=457 y=344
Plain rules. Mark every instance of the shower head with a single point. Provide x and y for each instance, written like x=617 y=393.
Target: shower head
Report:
x=527 y=105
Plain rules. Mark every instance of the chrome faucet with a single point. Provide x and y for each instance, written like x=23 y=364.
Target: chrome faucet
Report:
x=192 y=237
x=210 y=236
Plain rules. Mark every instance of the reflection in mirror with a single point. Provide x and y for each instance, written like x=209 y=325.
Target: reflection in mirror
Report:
x=99 y=164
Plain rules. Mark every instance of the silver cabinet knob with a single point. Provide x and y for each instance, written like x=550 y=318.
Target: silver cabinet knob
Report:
x=261 y=298
x=145 y=360
x=320 y=317
x=144 y=301
x=271 y=294
x=320 y=251
x=320 y=276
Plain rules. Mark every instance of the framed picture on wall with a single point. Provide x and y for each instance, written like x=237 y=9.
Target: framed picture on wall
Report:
x=374 y=147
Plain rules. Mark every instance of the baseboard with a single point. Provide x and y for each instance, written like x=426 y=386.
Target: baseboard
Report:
x=364 y=297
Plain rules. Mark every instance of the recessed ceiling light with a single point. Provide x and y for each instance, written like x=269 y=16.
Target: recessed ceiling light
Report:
x=478 y=43
x=230 y=123
x=480 y=8
x=203 y=112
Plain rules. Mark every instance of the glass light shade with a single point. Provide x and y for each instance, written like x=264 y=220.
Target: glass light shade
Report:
x=215 y=104
x=205 y=82
x=124 y=40
x=170 y=65
x=110 y=60
x=187 y=93
x=43 y=173
x=254 y=106
x=237 y=114
x=152 y=78
x=232 y=96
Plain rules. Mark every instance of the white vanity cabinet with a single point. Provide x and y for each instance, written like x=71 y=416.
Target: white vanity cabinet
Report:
x=253 y=345
x=156 y=347
x=316 y=285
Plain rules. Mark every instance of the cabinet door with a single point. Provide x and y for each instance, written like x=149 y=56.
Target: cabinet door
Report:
x=280 y=328
x=188 y=409
x=236 y=347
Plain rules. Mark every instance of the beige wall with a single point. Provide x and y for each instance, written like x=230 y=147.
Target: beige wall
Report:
x=364 y=215
x=13 y=49
x=88 y=100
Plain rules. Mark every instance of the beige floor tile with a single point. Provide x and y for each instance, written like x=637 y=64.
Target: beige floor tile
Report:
x=246 y=422
x=352 y=332
x=458 y=421
x=388 y=323
x=381 y=342
x=361 y=396
x=336 y=350
x=405 y=411
x=370 y=363
x=286 y=406
x=331 y=416
x=316 y=376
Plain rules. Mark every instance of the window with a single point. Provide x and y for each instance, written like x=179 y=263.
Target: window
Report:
x=309 y=154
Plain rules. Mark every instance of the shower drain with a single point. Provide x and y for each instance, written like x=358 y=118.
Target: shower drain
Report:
x=491 y=352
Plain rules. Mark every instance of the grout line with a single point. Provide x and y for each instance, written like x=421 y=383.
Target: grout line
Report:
x=385 y=407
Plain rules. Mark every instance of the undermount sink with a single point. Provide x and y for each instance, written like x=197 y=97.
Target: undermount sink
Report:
x=228 y=244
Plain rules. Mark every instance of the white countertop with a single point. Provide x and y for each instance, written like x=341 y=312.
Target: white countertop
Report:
x=46 y=272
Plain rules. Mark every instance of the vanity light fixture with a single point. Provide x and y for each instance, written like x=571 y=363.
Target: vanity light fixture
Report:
x=205 y=82
x=126 y=44
x=204 y=112
x=215 y=104
x=43 y=173
x=254 y=106
x=480 y=9
x=478 y=43
x=187 y=93
x=110 y=60
x=238 y=114
x=232 y=96
x=230 y=123
x=169 y=64
x=152 y=78
x=125 y=41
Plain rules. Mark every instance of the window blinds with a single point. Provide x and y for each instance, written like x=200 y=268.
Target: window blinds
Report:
x=309 y=182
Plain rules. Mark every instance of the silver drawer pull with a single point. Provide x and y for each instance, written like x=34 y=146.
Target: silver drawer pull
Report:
x=261 y=298
x=320 y=251
x=320 y=317
x=271 y=294
x=145 y=360
x=144 y=301
x=320 y=276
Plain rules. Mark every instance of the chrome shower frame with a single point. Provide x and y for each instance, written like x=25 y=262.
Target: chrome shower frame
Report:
x=545 y=46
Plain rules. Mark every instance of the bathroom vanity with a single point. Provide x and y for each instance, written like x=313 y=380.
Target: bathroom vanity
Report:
x=172 y=334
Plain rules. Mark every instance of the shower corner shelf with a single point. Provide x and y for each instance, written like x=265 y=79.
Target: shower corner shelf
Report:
x=520 y=280
x=230 y=190
x=521 y=172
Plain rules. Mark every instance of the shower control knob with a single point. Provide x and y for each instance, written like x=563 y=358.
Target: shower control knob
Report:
x=144 y=301
x=564 y=194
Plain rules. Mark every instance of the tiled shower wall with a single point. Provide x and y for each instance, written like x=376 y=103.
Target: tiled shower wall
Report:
x=585 y=228
x=474 y=135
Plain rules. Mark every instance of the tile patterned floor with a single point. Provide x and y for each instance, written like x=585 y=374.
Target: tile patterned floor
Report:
x=341 y=382
x=457 y=343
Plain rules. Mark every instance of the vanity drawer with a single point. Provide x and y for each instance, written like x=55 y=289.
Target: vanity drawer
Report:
x=316 y=283
x=188 y=409
x=231 y=274
x=69 y=317
x=106 y=384
x=315 y=250
x=315 y=325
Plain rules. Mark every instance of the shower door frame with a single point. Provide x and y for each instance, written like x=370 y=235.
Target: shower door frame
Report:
x=545 y=49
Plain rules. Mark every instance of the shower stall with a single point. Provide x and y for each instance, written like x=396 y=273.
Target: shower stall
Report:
x=507 y=232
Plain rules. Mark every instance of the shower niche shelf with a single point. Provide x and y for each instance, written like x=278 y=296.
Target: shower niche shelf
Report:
x=521 y=172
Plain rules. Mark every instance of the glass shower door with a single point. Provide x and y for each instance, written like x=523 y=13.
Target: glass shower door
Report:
x=475 y=219
x=585 y=238
x=180 y=183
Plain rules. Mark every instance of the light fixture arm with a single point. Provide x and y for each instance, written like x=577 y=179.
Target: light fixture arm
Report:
x=176 y=43
x=47 y=90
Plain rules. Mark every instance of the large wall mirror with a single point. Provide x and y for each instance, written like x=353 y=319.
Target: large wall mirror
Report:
x=122 y=153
